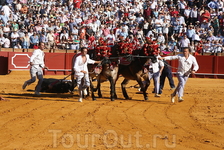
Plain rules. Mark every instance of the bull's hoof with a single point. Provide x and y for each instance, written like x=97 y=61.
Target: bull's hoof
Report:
x=100 y=96
x=94 y=99
x=112 y=99
x=128 y=98
x=146 y=98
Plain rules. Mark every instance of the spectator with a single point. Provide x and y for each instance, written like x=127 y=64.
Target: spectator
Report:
x=34 y=40
x=4 y=18
x=6 y=42
x=185 y=42
x=14 y=38
x=26 y=41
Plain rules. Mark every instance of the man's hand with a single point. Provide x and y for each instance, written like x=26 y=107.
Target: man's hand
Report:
x=83 y=71
x=160 y=58
x=46 y=68
x=98 y=62
x=192 y=72
x=31 y=64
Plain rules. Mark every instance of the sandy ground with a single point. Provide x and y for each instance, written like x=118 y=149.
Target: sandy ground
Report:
x=58 y=121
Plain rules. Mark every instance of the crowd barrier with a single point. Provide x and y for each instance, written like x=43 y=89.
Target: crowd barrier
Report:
x=60 y=64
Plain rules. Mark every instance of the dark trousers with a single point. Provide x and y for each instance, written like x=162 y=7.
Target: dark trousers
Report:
x=168 y=74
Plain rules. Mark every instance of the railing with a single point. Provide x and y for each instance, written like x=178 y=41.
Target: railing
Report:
x=74 y=51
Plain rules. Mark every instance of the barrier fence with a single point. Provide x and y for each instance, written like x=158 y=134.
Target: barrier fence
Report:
x=60 y=64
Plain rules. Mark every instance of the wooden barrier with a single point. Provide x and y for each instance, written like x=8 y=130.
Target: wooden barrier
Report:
x=60 y=64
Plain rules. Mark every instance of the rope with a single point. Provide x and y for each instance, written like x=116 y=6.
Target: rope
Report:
x=131 y=56
x=169 y=65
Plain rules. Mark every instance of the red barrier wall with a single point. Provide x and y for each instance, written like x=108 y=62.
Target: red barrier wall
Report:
x=60 y=63
x=4 y=63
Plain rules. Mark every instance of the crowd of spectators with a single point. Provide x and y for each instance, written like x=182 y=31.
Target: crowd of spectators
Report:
x=69 y=24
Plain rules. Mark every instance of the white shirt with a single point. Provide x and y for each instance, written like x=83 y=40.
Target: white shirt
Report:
x=184 y=42
x=196 y=37
x=157 y=65
x=184 y=65
x=6 y=43
x=79 y=65
x=187 y=12
x=37 y=58
x=158 y=22
x=14 y=36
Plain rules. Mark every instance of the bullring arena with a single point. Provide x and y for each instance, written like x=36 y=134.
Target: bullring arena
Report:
x=58 y=121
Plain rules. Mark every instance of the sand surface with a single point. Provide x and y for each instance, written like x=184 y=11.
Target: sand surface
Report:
x=58 y=121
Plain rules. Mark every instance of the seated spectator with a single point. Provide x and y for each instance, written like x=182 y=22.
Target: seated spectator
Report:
x=75 y=44
x=64 y=42
x=6 y=42
x=161 y=39
x=7 y=29
x=207 y=47
x=14 y=38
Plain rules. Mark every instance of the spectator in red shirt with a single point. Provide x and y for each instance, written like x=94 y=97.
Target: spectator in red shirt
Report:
x=205 y=16
x=174 y=12
x=77 y=4
x=147 y=12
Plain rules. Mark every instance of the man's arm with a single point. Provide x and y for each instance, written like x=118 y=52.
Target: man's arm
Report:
x=195 y=64
x=35 y=54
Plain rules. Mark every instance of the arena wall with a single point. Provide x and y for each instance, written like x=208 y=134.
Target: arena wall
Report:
x=60 y=64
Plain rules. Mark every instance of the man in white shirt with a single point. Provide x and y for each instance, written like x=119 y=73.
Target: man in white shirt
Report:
x=81 y=71
x=158 y=24
x=14 y=38
x=161 y=38
x=155 y=70
x=185 y=62
x=36 y=69
x=185 y=42
x=110 y=39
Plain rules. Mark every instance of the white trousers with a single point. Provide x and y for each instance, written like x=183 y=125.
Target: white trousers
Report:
x=82 y=83
x=180 y=87
x=36 y=71
x=155 y=77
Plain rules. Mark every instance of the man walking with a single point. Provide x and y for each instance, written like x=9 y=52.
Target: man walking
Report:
x=155 y=70
x=36 y=69
x=81 y=71
x=185 y=62
x=166 y=73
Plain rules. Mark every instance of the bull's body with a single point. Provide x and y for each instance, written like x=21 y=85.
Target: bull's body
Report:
x=52 y=85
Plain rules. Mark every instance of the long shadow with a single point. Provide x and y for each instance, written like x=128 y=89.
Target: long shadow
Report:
x=59 y=97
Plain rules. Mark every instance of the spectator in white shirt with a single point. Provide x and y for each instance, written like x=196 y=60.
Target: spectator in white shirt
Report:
x=14 y=38
x=158 y=24
x=161 y=38
x=185 y=42
x=196 y=37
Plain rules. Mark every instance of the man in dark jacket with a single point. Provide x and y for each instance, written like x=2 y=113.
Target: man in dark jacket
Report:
x=166 y=73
